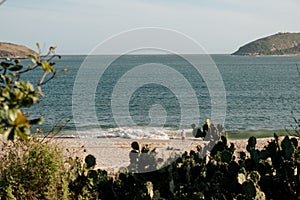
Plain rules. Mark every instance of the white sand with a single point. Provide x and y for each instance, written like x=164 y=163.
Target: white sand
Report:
x=113 y=153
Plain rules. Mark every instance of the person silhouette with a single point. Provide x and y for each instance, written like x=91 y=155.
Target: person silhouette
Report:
x=194 y=131
x=207 y=129
x=134 y=156
x=183 y=135
x=197 y=133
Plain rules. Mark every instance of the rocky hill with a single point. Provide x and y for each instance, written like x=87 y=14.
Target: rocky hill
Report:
x=9 y=50
x=278 y=44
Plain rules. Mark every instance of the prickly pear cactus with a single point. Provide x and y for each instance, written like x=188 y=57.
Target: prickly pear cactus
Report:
x=226 y=156
x=251 y=144
x=250 y=185
x=241 y=178
x=254 y=176
x=249 y=189
x=287 y=148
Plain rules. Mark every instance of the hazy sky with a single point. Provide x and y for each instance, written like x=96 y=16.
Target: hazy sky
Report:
x=76 y=27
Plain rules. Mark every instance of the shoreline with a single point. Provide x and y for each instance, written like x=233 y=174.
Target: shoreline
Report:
x=174 y=133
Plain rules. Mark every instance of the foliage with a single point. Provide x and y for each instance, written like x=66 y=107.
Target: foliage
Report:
x=16 y=94
x=87 y=183
x=278 y=166
x=39 y=169
x=36 y=170
x=32 y=170
x=270 y=173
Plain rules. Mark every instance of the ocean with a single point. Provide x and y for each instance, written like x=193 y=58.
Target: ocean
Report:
x=131 y=99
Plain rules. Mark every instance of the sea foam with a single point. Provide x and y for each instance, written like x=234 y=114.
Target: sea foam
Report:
x=124 y=132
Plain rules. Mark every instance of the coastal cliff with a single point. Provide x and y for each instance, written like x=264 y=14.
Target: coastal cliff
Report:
x=9 y=50
x=278 y=44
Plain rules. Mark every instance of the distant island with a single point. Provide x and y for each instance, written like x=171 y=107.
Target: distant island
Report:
x=9 y=50
x=278 y=44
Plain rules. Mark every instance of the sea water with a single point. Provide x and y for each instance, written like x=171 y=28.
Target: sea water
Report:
x=261 y=93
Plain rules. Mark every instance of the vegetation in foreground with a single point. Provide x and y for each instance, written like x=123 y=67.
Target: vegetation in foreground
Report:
x=39 y=170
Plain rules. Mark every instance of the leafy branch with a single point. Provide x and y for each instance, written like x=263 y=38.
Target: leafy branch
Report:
x=16 y=94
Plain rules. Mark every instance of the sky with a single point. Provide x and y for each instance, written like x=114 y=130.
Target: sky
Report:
x=77 y=27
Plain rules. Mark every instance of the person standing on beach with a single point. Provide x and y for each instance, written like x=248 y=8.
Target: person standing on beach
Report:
x=207 y=129
x=183 y=135
x=197 y=132
x=194 y=131
x=206 y=126
x=134 y=156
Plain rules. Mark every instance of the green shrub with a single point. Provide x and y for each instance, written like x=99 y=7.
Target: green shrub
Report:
x=33 y=170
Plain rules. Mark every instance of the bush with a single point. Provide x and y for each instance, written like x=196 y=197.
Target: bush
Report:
x=33 y=170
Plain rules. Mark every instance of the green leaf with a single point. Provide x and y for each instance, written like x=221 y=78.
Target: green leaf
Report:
x=27 y=102
x=52 y=48
x=5 y=65
x=16 y=68
x=46 y=67
x=23 y=133
x=52 y=63
x=29 y=86
x=33 y=59
x=249 y=189
x=38 y=46
x=226 y=156
x=37 y=121
x=254 y=176
x=21 y=120
x=31 y=56
x=17 y=61
x=11 y=115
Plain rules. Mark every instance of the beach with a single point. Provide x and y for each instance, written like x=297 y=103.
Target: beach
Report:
x=112 y=154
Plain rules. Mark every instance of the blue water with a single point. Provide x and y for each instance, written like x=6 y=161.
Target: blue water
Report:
x=261 y=92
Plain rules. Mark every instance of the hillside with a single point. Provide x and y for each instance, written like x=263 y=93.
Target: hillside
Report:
x=9 y=50
x=278 y=44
